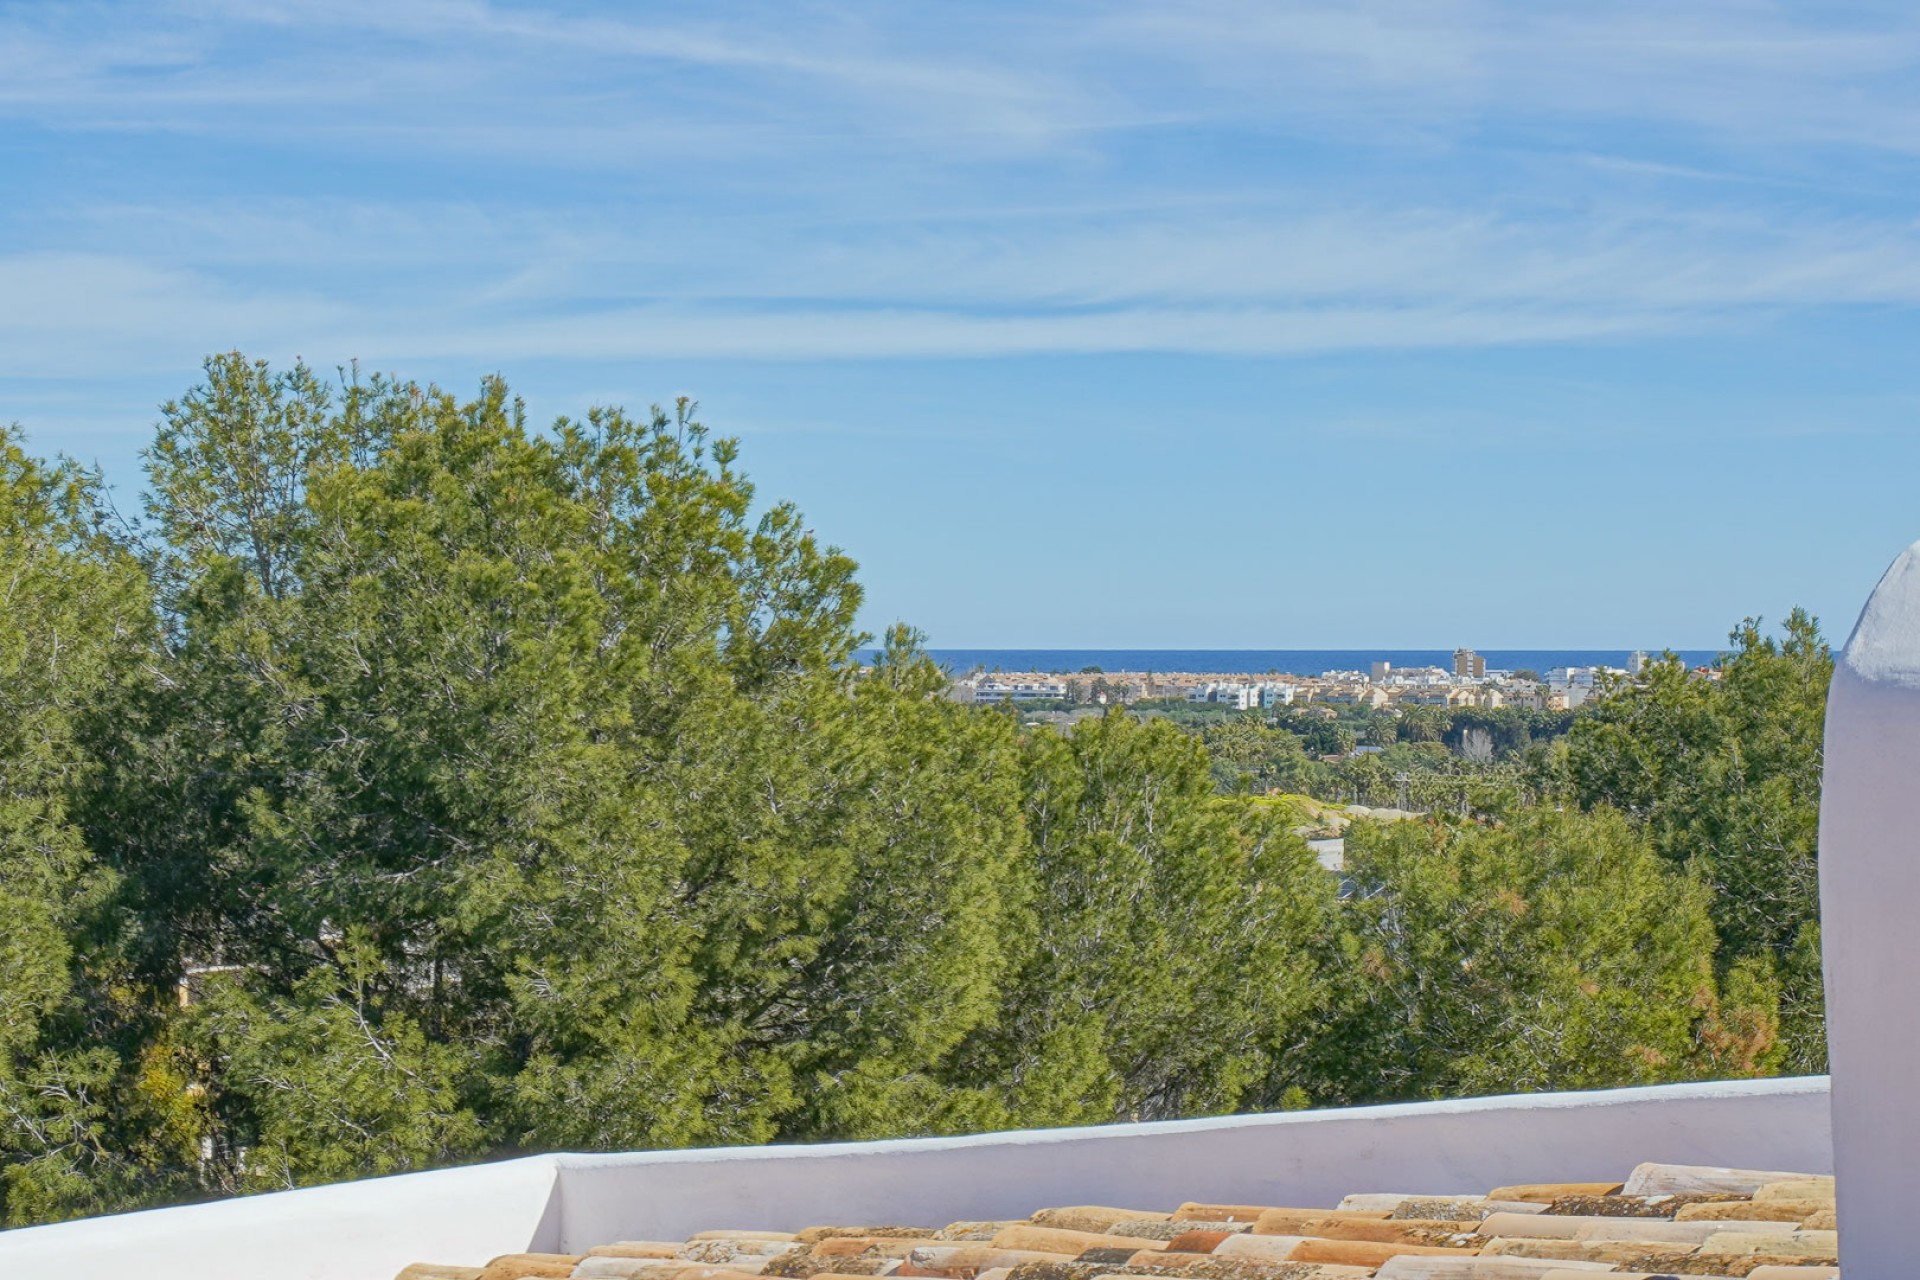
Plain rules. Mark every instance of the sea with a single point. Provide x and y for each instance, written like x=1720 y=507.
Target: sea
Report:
x=1295 y=662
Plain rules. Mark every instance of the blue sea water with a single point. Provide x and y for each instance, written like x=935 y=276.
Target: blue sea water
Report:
x=1297 y=662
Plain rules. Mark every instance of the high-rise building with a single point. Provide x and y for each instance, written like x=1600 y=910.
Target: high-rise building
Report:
x=1468 y=664
x=1381 y=670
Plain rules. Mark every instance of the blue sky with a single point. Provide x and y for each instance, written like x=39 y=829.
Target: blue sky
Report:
x=1211 y=324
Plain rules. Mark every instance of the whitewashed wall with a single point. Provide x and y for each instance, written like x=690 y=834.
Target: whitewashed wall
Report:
x=369 y=1230
x=1869 y=906
x=351 y=1231
x=1308 y=1159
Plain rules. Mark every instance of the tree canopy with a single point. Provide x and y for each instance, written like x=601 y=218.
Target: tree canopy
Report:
x=412 y=785
x=1723 y=777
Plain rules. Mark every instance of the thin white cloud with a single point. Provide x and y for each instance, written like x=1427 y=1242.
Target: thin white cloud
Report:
x=1631 y=258
x=1751 y=73
x=844 y=182
x=75 y=312
x=589 y=91
x=979 y=80
x=894 y=333
x=70 y=313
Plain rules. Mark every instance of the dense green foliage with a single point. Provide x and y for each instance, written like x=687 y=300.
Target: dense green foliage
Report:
x=1718 y=777
x=1554 y=951
x=1723 y=777
x=413 y=786
x=1169 y=951
x=76 y=632
x=1468 y=761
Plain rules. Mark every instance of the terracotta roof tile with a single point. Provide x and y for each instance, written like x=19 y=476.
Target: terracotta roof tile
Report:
x=972 y=1230
x=1062 y=1240
x=1797 y=1189
x=1076 y=1270
x=1664 y=1220
x=1548 y=1192
x=1748 y=1210
x=812 y=1234
x=1198 y=1211
x=638 y=1249
x=520 y=1266
x=1288 y=1222
x=966 y=1261
x=1124 y=1256
x=1652 y=1179
x=1092 y=1217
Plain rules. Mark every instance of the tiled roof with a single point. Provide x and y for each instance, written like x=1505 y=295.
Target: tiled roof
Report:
x=1664 y=1220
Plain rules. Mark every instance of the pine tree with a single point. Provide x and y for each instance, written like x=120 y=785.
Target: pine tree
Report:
x=1724 y=776
x=1169 y=945
x=1556 y=952
x=74 y=627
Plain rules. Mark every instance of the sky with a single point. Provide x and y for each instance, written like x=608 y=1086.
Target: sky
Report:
x=1211 y=324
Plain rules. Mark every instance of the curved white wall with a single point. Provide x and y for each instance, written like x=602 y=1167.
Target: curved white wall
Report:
x=369 y=1230
x=1869 y=894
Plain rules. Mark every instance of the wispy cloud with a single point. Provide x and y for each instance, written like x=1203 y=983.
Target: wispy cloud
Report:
x=1743 y=71
x=460 y=280
x=67 y=313
x=492 y=180
x=980 y=80
x=1291 y=286
x=595 y=91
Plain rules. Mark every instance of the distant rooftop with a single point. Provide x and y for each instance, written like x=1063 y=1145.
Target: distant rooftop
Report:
x=1659 y=1220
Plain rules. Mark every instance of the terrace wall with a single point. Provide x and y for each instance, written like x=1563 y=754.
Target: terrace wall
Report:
x=368 y=1230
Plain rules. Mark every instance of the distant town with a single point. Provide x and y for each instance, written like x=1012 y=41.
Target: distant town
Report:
x=1469 y=684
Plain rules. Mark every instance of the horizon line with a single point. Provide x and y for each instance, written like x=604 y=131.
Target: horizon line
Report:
x=1408 y=648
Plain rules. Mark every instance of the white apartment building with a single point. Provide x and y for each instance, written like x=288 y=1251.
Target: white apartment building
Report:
x=1000 y=689
x=1244 y=695
x=1573 y=686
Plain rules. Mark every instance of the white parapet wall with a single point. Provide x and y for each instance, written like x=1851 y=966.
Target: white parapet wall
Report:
x=1304 y=1158
x=369 y=1230
x=349 y=1231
